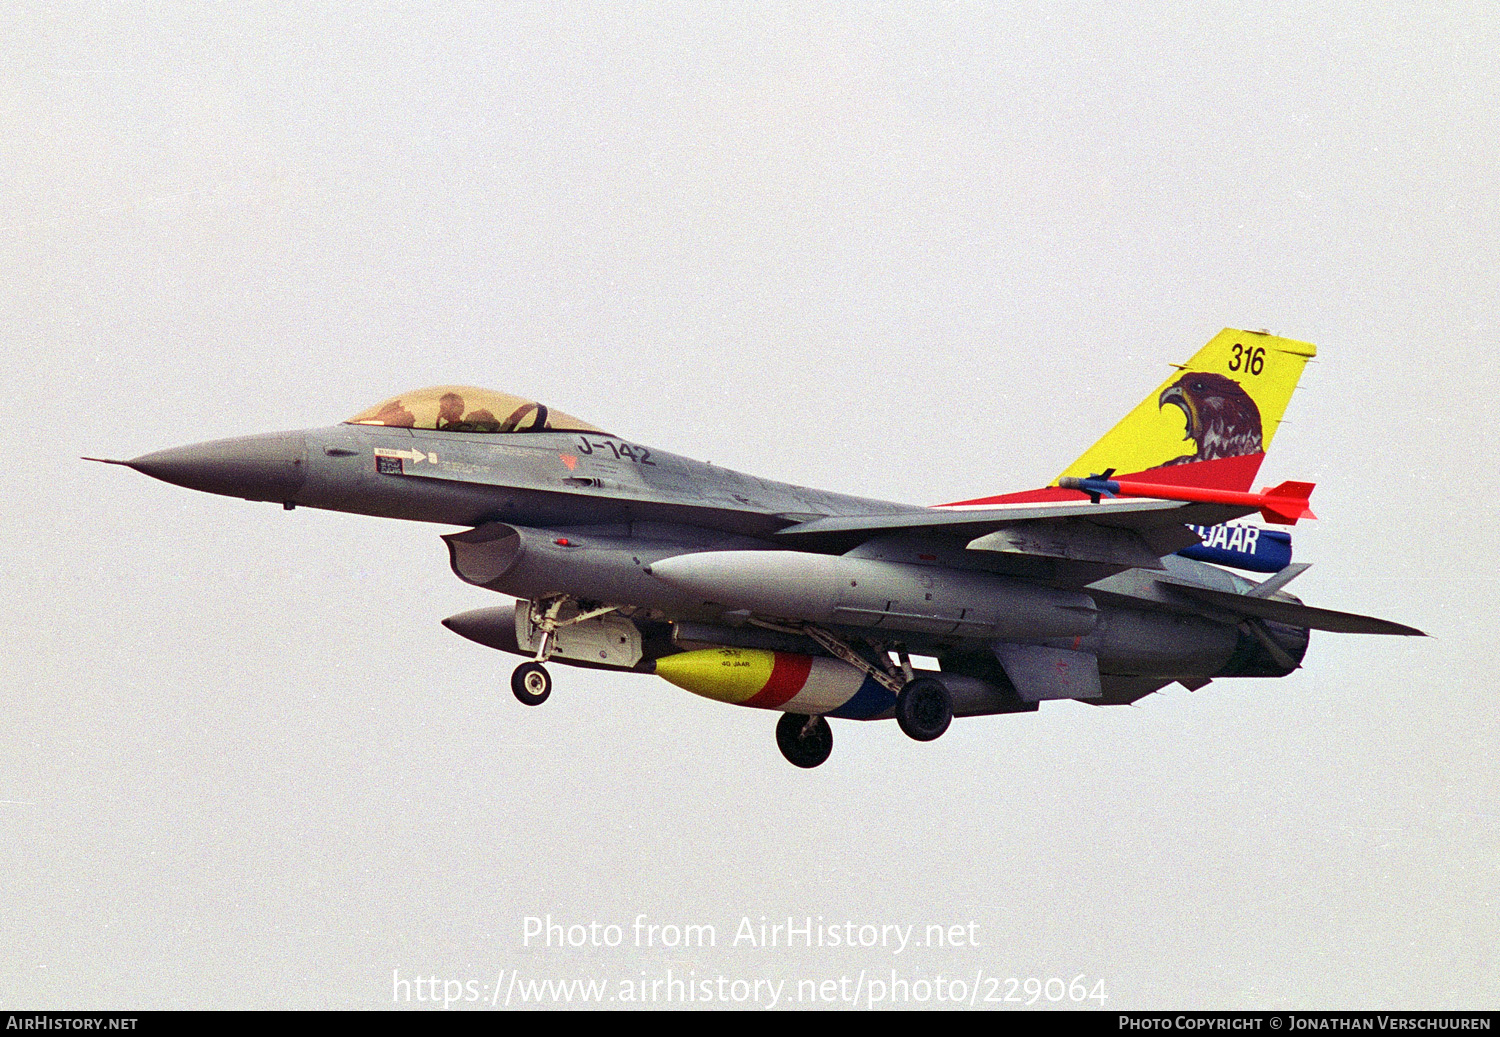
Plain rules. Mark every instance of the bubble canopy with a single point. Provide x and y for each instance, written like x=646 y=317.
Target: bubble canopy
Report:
x=464 y=408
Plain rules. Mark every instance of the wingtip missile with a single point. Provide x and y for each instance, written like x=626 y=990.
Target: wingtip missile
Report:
x=1283 y=504
x=1096 y=486
x=1287 y=503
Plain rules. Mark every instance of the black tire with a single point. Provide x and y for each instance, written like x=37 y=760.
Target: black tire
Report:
x=804 y=741
x=531 y=683
x=924 y=709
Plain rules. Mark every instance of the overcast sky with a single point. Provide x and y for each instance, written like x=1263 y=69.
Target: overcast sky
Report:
x=919 y=252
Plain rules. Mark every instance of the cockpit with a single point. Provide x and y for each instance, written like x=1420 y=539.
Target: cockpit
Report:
x=463 y=408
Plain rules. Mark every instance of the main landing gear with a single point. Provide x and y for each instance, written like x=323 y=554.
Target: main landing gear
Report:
x=923 y=708
x=805 y=741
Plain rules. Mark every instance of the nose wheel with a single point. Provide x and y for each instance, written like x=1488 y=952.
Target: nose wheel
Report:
x=531 y=683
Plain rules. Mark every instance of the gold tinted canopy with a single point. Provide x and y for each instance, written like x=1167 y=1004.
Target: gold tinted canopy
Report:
x=463 y=408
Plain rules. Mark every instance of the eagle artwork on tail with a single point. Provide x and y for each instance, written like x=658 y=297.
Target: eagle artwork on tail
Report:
x=1222 y=419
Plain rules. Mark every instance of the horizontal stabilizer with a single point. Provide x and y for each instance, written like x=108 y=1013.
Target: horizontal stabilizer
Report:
x=1293 y=613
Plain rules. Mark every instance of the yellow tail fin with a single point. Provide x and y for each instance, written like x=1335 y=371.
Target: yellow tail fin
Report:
x=1212 y=421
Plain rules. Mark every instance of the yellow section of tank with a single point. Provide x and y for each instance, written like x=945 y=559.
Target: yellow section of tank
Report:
x=722 y=674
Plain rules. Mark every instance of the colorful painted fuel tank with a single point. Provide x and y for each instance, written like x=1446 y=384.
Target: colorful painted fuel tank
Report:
x=778 y=680
x=1242 y=547
x=798 y=683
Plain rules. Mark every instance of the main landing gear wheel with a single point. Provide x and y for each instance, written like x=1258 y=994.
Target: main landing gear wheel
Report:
x=532 y=683
x=923 y=708
x=803 y=740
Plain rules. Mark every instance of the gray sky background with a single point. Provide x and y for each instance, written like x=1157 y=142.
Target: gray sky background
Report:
x=919 y=252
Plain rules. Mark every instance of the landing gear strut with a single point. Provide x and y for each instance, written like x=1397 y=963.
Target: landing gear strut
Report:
x=531 y=683
x=805 y=741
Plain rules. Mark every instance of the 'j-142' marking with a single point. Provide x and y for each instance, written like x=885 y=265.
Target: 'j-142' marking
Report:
x=638 y=454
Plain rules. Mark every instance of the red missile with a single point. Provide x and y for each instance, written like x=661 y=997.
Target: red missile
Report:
x=1283 y=504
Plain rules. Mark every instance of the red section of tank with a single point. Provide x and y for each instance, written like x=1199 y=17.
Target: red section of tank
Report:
x=788 y=675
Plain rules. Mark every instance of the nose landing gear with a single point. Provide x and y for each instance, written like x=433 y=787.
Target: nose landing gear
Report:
x=531 y=683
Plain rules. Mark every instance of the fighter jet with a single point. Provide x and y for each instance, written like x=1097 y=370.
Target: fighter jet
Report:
x=1101 y=587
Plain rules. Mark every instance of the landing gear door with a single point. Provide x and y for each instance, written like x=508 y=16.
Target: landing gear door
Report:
x=1041 y=673
x=608 y=640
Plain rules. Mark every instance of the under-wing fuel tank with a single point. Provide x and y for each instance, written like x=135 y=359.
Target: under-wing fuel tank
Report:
x=868 y=592
x=806 y=684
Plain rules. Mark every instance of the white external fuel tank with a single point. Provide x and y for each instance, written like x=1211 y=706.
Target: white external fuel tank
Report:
x=866 y=592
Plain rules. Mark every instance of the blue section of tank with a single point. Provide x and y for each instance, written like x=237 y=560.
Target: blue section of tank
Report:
x=1242 y=547
x=871 y=700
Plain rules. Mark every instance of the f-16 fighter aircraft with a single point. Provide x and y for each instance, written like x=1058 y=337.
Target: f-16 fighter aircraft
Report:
x=1100 y=587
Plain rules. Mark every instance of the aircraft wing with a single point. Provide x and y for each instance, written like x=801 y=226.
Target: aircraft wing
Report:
x=1070 y=542
x=1128 y=513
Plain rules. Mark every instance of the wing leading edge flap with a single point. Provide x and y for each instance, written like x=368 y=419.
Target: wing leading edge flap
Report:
x=1292 y=613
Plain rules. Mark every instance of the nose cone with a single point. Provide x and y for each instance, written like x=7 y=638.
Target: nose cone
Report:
x=269 y=467
x=491 y=627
